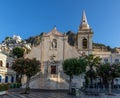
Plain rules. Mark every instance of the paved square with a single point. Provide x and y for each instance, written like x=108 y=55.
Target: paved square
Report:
x=52 y=94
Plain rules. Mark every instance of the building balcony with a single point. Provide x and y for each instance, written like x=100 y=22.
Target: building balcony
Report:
x=6 y=70
x=3 y=69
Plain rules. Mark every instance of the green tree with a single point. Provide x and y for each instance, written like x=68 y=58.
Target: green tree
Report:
x=35 y=40
x=71 y=38
x=108 y=72
x=7 y=38
x=73 y=67
x=18 y=52
x=28 y=67
x=92 y=63
x=18 y=67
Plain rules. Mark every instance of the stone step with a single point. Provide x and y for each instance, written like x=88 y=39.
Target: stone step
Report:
x=5 y=96
x=10 y=96
x=31 y=96
x=15 y=95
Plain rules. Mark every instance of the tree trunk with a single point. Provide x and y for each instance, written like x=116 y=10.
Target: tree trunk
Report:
x=91 y=77
x=103 y=83
x=27 y=85
x=110 y=86
x=18 y=78
x=70 y=89
x=91 y=81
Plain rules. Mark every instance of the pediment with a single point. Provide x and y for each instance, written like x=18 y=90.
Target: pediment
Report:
x=54 y=32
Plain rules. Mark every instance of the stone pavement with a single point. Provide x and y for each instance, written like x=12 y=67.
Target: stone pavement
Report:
x=52 y=94
x=38 y=95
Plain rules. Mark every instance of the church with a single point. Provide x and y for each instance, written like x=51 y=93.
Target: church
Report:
x=54 y=49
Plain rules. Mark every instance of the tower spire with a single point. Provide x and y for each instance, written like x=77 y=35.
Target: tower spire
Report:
x=84 y=24
x=84 y=19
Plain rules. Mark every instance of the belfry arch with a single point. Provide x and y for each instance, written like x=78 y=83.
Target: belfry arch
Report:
x=85 y=43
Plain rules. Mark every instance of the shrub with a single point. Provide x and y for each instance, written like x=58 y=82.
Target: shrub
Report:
x=15 y=85
x=4 y=87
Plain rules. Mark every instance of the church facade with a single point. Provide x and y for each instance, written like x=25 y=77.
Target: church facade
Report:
x=54 y=49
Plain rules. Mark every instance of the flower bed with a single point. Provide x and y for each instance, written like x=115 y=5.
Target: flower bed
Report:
x=3 y=88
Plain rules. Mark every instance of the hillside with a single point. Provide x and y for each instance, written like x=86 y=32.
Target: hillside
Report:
x=35 y=41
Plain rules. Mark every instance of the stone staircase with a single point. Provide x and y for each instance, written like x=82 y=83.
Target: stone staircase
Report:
x=36 y=77
x=44 y=81
x=36 y=81
x=12 y=95
x=64 y=77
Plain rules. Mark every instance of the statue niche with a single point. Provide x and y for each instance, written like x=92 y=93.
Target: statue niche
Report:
x=54 y=43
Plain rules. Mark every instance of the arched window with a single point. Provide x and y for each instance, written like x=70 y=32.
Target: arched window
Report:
x=6 y=79
x=7 y=65
x=0 y=78
x=54 y=43
x=1 y=63
x=12 y=79
x=85 y=43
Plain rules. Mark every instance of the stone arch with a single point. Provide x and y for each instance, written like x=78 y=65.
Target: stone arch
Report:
x=0 y=78
x=12 y=79
x=85 y=43
x=1 y=63
x=6 y=79
x=7 y=65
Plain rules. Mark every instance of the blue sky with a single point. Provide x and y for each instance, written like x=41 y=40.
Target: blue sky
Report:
x=31 y=17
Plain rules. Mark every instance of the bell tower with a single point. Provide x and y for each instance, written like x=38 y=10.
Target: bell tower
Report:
x=84 y=36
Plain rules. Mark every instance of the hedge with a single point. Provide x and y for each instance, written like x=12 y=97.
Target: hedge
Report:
x=15 y=85
x=4 y=87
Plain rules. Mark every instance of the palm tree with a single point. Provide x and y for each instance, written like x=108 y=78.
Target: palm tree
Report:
x=73 y=66
x=92 y=63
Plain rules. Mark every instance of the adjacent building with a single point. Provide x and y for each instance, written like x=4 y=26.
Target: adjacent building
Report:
x=7 y=75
